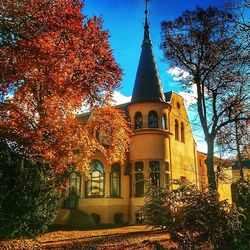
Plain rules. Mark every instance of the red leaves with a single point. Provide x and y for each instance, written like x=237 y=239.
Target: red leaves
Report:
x=52 y=60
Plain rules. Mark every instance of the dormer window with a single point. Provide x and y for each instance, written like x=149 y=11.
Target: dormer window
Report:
x=138 y=120
x=152 y=119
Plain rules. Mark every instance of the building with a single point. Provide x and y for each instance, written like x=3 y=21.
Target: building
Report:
x=162 y=149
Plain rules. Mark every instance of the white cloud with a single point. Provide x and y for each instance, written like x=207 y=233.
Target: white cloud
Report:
x=119 y=98
x=201 y=146
x=190 y=96
x=178 y=74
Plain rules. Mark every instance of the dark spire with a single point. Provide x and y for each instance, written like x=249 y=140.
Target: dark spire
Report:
x=147 y=85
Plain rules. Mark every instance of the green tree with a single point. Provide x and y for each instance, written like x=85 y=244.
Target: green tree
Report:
x=30 y=195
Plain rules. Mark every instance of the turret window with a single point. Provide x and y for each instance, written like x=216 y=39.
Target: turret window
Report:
x=182 y=132
x=176 y=129
x=164 y=122
x=138 y=120
x=152 y=119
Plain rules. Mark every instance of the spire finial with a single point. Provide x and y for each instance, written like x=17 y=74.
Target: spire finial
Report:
x=146 y=7
x=146 y=39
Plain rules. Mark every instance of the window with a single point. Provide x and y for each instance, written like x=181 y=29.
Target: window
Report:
x=95 y=185
x=115 y=180
x=164 y=122
x=178 y=105
x=152 y=119
x=155 y=172
x=176 y=129
x=74 y=184
x=182 y=132
x=167 y=176
x=138 y=121
x=139 y=179
x=73 y=191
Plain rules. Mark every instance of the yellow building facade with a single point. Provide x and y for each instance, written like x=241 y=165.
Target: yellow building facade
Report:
x=162 y=149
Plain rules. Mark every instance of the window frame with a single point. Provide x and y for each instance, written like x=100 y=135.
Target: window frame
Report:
x=182 y=132
x=155 y=173
x=138 y=114
x=119 y=180
x=94 y=163
x=139 y=179
x=164 y=123
x=176 y=130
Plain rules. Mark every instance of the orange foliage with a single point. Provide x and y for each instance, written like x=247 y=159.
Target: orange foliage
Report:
x=52 y=60
x=111 y=133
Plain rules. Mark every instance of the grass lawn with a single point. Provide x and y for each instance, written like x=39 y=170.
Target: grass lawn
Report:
x=129 y=237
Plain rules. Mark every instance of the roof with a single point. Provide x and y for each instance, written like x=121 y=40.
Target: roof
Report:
x=147 y=86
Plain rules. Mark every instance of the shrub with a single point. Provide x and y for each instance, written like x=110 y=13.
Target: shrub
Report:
x=241 y=197
x=193 y=218
x=29 y=196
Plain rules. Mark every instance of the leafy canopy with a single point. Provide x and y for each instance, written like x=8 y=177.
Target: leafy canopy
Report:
x=53 y=59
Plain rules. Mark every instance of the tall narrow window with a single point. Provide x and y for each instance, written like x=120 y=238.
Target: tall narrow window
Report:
x=152 y=119
x=95 y=185
x=182 y=132
x=73 y=191
x=115 y=180
x=139 y=179
x=167 y=176
x=164 y=122
x=74 y=184
x=176 y=129
x=138 y=121
x=155 y=172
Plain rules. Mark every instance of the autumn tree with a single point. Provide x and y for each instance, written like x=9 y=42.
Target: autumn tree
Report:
x=52 y=60
x=205 y=43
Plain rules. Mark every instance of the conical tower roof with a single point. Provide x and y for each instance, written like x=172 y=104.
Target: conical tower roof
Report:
x=147 y=86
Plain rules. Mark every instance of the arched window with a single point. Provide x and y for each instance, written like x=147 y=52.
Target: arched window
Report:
x=182 y=132
x=138 y=120
x=152 y=119
x=164 y=122
x=176 y=129
x=115 y=180
x=95 y=185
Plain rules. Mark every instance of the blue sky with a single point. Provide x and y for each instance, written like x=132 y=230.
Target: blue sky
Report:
x=124 y=20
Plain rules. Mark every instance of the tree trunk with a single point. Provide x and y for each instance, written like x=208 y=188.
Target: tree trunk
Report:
x=210 y=164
